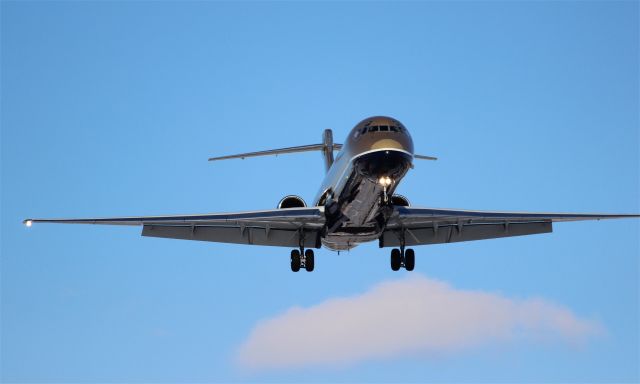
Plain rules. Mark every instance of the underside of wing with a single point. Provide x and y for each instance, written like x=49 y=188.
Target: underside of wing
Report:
x=290 y=227
x=418 y=226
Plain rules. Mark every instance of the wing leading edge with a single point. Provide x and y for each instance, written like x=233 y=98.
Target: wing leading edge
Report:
x=293 y=227
x=290 y=227
x=419 y=226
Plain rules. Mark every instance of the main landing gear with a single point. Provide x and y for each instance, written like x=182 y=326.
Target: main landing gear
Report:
x=302 y=259
x=403 y=258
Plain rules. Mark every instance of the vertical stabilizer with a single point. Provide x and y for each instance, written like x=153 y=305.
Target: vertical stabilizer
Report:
x=327 y=148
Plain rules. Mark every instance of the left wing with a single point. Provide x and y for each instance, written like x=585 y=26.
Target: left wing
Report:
x=289 y=227
x=434 y=226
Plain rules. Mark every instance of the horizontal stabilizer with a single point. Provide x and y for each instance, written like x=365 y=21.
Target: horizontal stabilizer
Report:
x=280 y=151
x=423 y=157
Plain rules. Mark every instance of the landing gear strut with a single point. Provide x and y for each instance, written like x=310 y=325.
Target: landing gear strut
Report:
x=403 y=258
x=302 y=259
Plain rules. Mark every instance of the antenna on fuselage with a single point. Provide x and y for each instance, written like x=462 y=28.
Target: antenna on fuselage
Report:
x=326 y=147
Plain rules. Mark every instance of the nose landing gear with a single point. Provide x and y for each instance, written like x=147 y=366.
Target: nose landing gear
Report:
x=403 y=258
x=302 y=259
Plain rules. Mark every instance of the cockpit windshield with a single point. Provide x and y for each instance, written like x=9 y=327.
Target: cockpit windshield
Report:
x=380 y=128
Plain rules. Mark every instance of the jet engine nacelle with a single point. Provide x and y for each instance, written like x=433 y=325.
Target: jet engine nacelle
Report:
x=291 y=201
x=400 y=201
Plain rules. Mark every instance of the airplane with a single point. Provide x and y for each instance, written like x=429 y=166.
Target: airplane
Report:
x=355 y=204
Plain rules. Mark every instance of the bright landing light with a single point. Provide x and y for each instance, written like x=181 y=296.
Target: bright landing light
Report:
x=28 y=223
x=385 y=181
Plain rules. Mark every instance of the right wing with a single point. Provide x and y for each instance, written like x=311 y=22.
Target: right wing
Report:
x=289 y=227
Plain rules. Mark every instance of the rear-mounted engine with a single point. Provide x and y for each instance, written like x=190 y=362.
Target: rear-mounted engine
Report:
x=400 y=201
x=291 y=201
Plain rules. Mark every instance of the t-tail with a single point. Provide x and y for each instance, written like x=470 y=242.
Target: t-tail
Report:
x=326 y=148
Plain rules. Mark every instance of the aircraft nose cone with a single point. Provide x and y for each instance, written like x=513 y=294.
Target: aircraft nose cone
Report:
x=388 y=144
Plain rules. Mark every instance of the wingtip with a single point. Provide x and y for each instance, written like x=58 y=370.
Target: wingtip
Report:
x=27 y=222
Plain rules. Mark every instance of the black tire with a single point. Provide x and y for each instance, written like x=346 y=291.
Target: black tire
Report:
x=409 y=259
x=396 y=259
x=295 y=260
x=309 y=262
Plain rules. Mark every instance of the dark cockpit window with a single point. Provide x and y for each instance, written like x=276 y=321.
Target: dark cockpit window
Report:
x=380 y=128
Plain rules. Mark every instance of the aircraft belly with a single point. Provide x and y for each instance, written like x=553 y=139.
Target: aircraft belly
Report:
x=357 y=213
x=341 y=243
x=363 y=205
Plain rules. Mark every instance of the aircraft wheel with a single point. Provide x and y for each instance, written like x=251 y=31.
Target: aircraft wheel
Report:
x=295 y=260
x=396 y=259
x=409 y=259
x=309 y=262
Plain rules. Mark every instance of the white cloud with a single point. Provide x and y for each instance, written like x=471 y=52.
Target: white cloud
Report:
x=395 y=318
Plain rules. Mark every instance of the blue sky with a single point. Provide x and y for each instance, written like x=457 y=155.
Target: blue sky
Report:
x=112 y=108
